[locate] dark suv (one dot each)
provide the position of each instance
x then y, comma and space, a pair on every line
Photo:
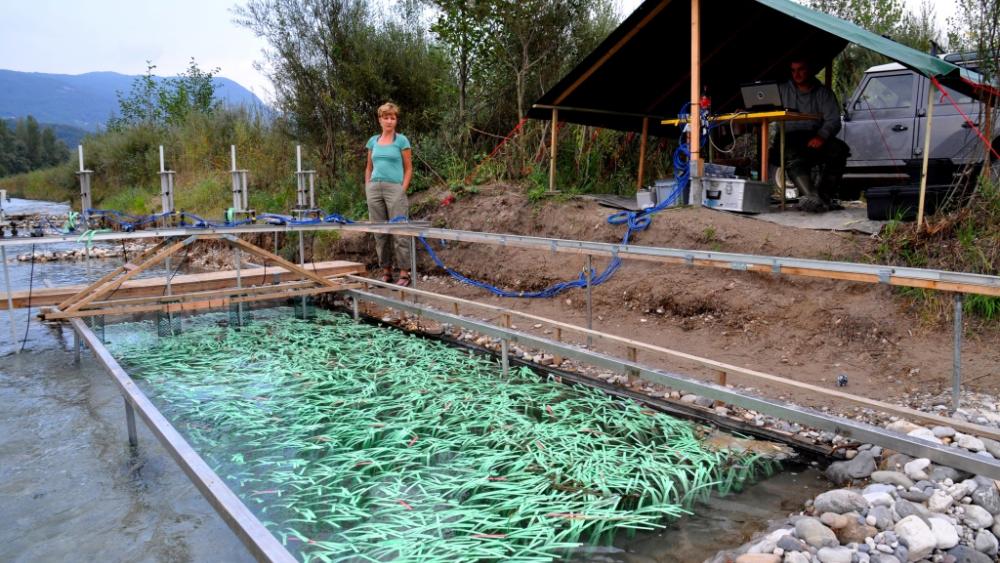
883, 123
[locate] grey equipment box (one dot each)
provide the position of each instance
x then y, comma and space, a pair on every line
735, 194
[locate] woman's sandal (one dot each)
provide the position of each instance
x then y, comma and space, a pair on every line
386, 277
404, 280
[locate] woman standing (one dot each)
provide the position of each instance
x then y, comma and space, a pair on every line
387, 177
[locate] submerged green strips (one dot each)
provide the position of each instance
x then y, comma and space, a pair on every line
365, 444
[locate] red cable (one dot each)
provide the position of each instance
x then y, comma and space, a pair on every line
496, 149
965, 117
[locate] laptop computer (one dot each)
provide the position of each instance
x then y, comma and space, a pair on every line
761, 96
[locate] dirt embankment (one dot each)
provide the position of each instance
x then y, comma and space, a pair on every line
807, 329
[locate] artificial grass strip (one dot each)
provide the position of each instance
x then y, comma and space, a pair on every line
359, 443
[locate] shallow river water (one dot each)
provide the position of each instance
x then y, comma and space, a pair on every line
71, 489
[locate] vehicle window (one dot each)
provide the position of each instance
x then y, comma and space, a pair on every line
884, 92
941, 100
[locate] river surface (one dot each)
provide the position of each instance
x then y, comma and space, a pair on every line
71, 489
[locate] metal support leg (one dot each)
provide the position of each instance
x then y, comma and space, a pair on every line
590, 304
239, 285
302, 262
76, 348
413, 262
354, 307
10, 299
133, 439
505, 356
956, 378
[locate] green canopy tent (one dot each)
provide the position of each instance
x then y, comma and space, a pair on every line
650, 67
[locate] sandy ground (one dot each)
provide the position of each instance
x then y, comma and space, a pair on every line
809, 330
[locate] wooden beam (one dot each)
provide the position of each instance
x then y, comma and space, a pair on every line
694, 135
611, 52
82, 298
197, 305
717, 366
553, 151
112, 274
48, 296
642, 154
260, 252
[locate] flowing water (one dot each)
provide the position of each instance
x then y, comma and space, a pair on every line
71, 489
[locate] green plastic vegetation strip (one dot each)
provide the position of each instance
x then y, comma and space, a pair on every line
358, 443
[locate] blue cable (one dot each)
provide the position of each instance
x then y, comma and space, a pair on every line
635, 221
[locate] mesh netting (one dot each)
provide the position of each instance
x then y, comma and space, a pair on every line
359, 443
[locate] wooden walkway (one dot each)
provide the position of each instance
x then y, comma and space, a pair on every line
186, 283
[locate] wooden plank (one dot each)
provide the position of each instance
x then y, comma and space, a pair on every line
217, 303
182, 283
720, 366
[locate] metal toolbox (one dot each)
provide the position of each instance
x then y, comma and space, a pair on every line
735, 194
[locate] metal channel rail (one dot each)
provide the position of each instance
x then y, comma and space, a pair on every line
258, 540
916, 447
870, 273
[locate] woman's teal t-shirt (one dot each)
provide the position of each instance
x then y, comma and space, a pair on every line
387, 160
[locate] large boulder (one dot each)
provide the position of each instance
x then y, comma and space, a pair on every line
840, 501
918, 536
861, 467
814, 533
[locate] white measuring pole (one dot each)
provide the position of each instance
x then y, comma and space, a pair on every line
84, 176
232, 153
80, 150
162, 169
298, 158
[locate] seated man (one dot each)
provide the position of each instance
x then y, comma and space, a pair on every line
812, 143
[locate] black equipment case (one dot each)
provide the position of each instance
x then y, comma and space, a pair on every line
901, 202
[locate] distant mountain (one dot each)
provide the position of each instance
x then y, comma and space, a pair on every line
84, 100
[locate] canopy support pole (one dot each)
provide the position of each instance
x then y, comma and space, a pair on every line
694, 135
552, 157
928, 122
987, 126
642, 154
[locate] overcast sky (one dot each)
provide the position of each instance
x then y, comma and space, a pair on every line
72, 37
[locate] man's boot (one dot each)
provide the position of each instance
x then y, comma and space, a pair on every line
828, 188
808, 197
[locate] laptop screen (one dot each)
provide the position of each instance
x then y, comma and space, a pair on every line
761, 95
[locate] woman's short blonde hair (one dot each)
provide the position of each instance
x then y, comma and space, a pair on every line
387, 109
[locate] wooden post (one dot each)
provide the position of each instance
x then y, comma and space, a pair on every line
558, 359
927, 149
642, 154
987, 122
633, 354
552, 156
695, 133
721, 380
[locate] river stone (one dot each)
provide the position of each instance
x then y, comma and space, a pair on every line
915, 469
940, 502
878, 488
987, 496
789, 543
915, 496
991, 446
895, 462
884, 558
905, 509
966, 554
943, 431
796, 557
977, 517
814, 533
861, 467
987, 543
758, 558
919, 539
883, 517
835, 555
879, 499
840, 501
944, 532
924, 434
940, 473
834, 520
854, 532
970, 443
892, 478
902, 426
